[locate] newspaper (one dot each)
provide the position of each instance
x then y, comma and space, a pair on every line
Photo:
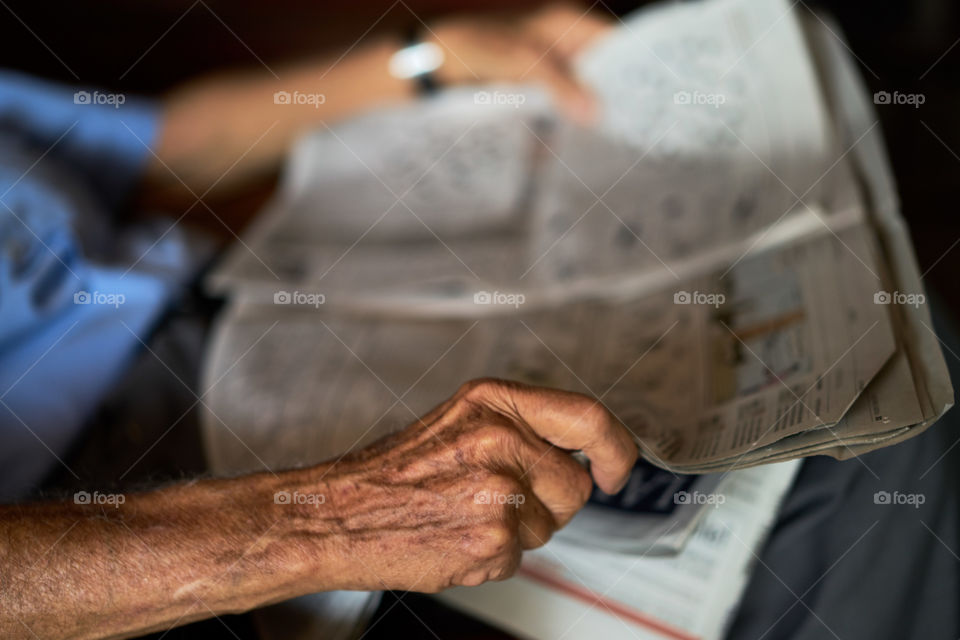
401, 208
421, 206
721, 261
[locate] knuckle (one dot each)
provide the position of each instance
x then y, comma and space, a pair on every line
474, 545
493, 540
480, 389
500, 487
598, 415
467, 387
595, 419
499, 536
493, 437
503, 485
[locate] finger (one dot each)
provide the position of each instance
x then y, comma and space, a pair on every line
573, 98
536, 523
550, 473
568, 420
559, 481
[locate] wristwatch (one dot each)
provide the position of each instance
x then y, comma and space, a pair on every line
417, 61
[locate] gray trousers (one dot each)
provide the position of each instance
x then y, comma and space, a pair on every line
839, 565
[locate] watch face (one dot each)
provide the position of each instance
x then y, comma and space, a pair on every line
416, 60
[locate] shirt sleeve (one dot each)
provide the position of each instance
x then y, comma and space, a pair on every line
104, 137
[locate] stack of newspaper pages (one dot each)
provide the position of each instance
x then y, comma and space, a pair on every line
720, 259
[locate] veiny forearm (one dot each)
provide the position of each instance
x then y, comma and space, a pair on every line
162, 558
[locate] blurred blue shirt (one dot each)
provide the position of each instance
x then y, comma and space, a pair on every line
72, 312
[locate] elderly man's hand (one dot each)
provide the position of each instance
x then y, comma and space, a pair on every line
455, 497
452, 499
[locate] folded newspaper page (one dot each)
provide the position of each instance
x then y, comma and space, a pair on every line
721, 261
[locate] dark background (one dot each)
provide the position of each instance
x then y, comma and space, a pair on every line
149, 46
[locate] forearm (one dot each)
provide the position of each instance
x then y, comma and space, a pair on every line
221, 132
164, 558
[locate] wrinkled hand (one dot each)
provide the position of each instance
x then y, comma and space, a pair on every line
455, 497
531, 47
